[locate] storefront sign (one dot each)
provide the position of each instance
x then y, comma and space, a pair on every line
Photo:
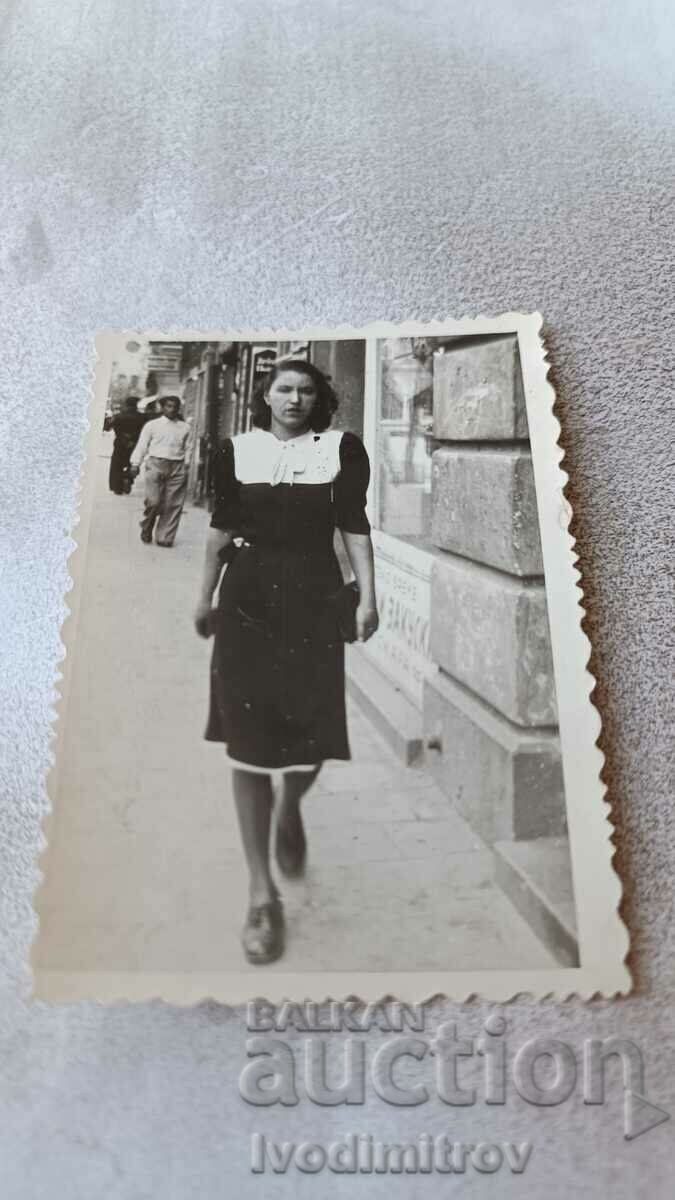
263, 361
401, 646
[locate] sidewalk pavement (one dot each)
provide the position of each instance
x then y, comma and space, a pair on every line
144, 833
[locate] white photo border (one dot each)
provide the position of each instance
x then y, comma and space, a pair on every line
603, 936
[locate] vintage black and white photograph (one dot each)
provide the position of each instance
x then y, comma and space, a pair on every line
310, 705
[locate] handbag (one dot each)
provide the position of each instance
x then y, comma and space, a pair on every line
344, 604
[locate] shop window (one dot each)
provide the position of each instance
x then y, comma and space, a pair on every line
405, 440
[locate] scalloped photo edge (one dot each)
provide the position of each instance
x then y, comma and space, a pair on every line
603, 940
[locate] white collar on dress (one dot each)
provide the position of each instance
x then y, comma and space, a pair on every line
260, 457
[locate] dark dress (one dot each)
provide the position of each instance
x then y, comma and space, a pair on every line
277, 674
127, 427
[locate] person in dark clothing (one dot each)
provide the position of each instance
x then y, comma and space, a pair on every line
127, 427
277, 674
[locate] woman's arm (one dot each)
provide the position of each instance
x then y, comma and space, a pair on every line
216, 542
360, 554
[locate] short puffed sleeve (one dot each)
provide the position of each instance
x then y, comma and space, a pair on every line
226, 514
351, 485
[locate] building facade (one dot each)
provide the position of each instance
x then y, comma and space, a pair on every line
128, 375
460, 675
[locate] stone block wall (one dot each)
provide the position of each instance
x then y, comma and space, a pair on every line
490, 632
484, 506
478, 391
506, 780
490, 717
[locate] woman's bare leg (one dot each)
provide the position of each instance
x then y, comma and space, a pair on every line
291, 844
253, 799
295, 784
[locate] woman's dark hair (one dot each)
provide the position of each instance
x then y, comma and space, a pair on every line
325, 404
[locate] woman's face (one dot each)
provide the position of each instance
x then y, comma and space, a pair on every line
291, 398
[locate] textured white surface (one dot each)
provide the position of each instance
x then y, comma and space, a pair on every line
223, 164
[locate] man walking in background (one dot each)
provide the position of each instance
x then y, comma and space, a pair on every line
164, 442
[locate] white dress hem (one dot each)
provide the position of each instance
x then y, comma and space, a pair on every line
242, 766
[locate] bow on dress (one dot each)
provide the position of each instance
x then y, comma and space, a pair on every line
291, 461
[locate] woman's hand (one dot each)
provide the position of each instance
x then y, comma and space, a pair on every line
360, 554
203, 620
367, 622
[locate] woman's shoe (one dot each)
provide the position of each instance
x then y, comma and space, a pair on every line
263, 934
291, 849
